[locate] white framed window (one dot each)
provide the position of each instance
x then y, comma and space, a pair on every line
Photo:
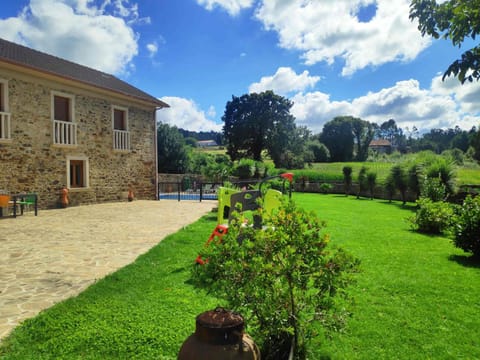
63, 118
77, 172
121, 134
5, 122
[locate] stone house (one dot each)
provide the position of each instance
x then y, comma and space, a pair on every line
64, 125
382, 146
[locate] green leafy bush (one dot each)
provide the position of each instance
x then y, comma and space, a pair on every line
325, 188
245, 168
467, 226
433, 217
433, 189
444, 169
320, 151
284, 279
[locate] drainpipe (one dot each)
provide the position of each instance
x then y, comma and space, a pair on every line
155, 146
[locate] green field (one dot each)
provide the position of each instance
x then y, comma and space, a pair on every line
416, 296
466, 175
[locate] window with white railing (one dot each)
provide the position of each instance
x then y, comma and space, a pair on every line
64, 126
121, 135
5, 124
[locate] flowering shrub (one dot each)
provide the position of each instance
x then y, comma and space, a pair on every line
284, 279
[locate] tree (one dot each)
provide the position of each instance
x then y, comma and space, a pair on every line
400, 181
347, 178
475, 143
362, 181
257, 122
455, 20
172, 153
414, 174
338, 138
391, 132
320, 151
372, 182
363, 133
286, 146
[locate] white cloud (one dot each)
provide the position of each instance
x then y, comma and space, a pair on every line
233, 7
466, 95
184, 113
285, 81
152, 49
330, 30
442, 106
79, 31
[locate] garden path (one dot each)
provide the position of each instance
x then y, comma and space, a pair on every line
47, 258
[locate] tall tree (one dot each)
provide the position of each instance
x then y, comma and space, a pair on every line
475, 143
455, 20
257, 122
172, 153
363, 133
338, 138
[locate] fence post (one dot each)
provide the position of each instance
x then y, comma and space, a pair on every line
178, 189
201, 191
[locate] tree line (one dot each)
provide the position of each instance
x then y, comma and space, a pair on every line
259, 126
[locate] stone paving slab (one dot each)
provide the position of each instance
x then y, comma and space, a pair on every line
48, 258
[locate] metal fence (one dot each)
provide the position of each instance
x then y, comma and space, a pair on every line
191, 190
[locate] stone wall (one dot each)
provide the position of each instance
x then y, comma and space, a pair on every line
30, 162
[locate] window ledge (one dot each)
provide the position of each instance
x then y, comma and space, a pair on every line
65, 146
78, 189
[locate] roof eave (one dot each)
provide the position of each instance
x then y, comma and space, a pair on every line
155, 102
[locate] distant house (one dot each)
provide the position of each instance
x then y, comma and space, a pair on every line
64, 125
381, 146
206, 143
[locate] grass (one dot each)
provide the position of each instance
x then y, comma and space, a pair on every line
334, 171
466, 175
416, 296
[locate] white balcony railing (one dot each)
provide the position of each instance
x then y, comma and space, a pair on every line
64, 133
5, 129
121, 140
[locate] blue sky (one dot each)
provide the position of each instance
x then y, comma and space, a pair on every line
363, 58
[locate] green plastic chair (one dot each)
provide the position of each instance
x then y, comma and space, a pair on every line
224, 205
27, 201
271, 201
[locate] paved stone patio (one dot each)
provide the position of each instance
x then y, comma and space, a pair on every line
47, 258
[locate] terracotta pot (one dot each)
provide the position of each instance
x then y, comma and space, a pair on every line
219, 336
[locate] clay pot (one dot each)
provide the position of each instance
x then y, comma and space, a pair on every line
219, 336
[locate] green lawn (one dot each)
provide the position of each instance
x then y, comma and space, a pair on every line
416, 296
334, 171
469, 174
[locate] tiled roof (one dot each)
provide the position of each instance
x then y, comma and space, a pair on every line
33, 59
380, 142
